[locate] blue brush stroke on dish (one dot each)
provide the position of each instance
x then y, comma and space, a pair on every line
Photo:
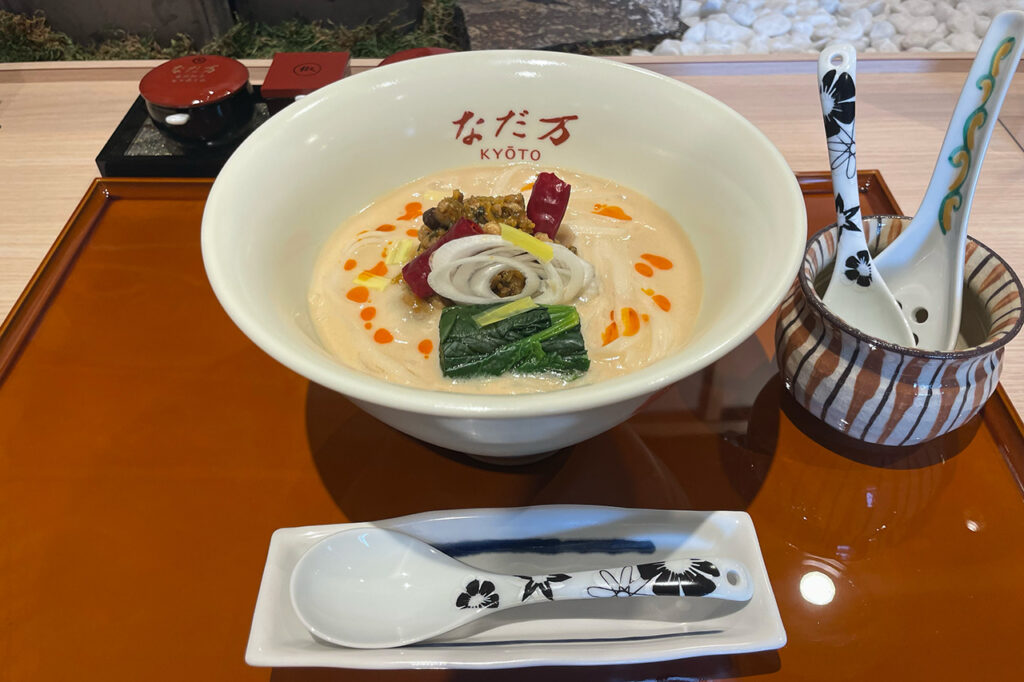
547, 546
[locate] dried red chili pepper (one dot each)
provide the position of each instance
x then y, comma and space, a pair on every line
548, 201
416, 271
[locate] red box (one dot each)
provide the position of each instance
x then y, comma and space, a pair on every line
296, 74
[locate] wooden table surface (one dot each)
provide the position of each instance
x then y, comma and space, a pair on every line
55, 117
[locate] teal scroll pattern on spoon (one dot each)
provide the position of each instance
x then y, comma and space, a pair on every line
961, 157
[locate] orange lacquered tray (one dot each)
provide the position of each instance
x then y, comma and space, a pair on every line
148, 450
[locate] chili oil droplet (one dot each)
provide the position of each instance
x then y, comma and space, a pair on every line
659, 262
359, 294
413, 210
610, 211
610, 333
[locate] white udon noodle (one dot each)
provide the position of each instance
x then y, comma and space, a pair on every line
610, 246
462, 270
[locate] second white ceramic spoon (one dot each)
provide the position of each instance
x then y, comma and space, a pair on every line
855, 292
924, 266
377, 588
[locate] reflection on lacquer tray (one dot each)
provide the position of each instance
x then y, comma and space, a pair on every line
397, 474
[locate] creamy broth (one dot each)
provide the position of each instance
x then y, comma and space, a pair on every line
641, 307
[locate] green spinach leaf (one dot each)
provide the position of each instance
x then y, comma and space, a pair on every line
536, 341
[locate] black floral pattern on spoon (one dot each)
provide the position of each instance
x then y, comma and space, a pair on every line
691, 581
478, 595
837, 101
858, 268
534, 584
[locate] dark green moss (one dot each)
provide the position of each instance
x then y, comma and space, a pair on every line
30, 38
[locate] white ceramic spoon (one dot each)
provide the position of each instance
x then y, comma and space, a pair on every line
855, 293
376, 588
924, 266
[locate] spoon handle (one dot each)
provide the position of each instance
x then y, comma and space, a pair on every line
970, 128
718, 578
837, 72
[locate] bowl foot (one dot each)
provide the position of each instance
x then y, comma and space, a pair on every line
515, 460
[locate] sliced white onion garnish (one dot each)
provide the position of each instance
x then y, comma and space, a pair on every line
462, 270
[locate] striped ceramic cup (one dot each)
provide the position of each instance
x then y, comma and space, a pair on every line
879, 392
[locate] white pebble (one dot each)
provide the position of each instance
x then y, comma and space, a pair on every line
696, 33
901, 21
849, 32
668, 47
848, 7
789, 44
881, 30
943, 11
803, 28
710, 7
691, 49
722, 29
717, 48
821, 18
741, 12
758, 45
772, 24
989, 8
917, 8
877, 7
863, 16
824, 32
924, 25
689, 8
921, 40
964, 42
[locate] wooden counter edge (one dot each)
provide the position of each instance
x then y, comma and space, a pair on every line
134, 70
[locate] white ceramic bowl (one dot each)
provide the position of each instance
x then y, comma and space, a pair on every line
294, 180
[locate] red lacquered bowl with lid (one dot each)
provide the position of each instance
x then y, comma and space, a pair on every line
201, 99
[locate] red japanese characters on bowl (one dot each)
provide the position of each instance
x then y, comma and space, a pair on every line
876, 391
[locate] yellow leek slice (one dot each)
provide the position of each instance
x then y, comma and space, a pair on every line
503, 312
528, 243
403, 252
372, 281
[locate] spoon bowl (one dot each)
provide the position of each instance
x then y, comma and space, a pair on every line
376, 588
